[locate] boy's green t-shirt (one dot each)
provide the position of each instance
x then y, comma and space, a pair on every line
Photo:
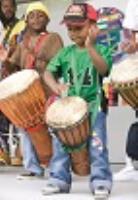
72, 60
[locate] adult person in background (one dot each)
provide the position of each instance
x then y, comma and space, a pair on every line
34, 51
9, 26
12, 25
131, 23
129, 172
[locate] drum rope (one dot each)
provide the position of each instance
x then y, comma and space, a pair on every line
76, 148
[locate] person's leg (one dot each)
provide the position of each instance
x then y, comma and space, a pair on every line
128, 172
30, 160
101, 175
4, 156
60, 175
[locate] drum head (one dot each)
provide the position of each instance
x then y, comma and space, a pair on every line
125, 71
17, 82
66, 112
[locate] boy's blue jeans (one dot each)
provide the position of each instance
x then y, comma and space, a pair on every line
100, 174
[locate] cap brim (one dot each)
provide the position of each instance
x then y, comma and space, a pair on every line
73, 22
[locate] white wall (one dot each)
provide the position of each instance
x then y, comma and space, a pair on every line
119, 121
120, 4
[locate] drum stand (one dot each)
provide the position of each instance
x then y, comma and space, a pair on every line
128, 172
14, 146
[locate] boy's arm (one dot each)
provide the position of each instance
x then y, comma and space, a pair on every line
54, 67
98, 61
50, 81
56, 87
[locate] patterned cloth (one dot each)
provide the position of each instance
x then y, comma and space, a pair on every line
110, 23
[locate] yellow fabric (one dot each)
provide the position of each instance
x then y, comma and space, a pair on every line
37, 6
19, 26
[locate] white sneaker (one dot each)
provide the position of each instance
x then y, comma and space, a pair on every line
50, 189
101, 193
126, 174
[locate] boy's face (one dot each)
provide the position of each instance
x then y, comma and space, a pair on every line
79, 33
37, 20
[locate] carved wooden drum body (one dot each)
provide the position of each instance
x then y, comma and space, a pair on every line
23, 101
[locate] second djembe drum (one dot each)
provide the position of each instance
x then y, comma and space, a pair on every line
124, 77
68, 117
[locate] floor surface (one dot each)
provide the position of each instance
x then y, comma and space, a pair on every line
13, 189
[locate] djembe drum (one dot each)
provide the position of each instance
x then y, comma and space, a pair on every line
124, 78
68, 117
23, 101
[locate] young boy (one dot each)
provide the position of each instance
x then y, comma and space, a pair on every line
89, 61
36, 48
131, 23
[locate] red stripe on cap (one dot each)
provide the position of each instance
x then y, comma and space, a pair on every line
91, 12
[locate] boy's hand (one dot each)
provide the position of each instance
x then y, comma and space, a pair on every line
60, 89
92, 36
